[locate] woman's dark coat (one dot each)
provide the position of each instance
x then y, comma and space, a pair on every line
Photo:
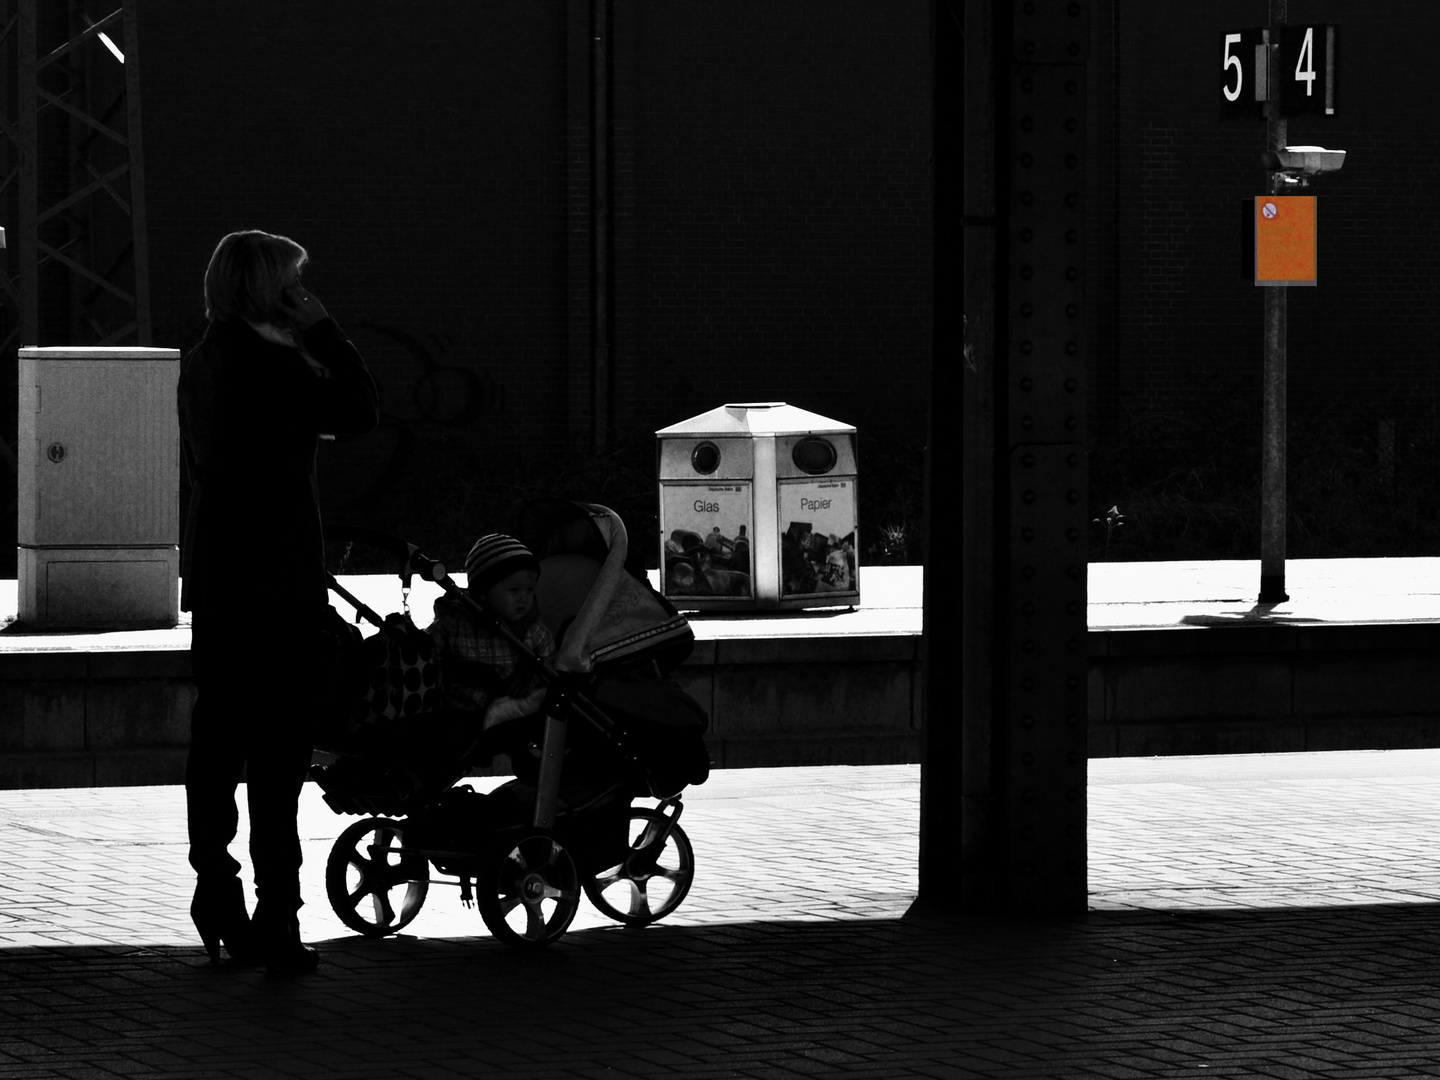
251, 413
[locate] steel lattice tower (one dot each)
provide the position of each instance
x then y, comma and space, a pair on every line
72, 175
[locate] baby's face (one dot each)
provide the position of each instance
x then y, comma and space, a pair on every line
511, 598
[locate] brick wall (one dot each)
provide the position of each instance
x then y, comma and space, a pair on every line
770, 214
419, 157
782, 237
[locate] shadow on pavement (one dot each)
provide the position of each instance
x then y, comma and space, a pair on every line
1300, 992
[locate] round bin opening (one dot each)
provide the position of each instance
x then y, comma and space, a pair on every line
705, 458
814, 455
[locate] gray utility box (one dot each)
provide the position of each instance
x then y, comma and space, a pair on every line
99, 486
758, 509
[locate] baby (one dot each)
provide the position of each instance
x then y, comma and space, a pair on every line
483, 672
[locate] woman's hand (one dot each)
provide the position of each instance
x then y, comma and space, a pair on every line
301, 307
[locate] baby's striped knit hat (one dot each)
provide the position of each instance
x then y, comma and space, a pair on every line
495, 556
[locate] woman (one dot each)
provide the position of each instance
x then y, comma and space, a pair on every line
272, 373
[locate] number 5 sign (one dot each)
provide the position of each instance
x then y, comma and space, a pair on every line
1303, 76
1242, 74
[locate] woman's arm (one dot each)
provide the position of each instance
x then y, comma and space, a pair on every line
348, 402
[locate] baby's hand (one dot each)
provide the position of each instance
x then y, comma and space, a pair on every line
508, 708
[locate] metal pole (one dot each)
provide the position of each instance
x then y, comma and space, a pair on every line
600, 222
139, 225
1272, 454
28, 210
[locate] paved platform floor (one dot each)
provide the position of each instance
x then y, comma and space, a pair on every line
1195, 595
1264, 916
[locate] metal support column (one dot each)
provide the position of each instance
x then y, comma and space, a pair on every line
600, 195
942, 815
590, 226
1023, 655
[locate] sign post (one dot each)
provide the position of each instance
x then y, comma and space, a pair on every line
1273, 429
1278, 72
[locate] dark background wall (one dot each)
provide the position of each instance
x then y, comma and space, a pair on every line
782, 157
421, 161
768, 188
769, 231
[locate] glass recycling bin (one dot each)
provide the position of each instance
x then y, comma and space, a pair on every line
758, 510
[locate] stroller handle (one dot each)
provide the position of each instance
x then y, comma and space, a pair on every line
413, 559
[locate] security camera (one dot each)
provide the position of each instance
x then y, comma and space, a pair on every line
1297, 164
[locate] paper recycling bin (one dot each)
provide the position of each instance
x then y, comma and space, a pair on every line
99, 486
758, 509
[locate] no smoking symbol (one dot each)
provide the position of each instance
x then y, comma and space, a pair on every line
1269, 209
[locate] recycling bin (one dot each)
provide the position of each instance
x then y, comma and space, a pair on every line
98, 460
758, 510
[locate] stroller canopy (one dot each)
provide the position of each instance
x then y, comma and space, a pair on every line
600, 609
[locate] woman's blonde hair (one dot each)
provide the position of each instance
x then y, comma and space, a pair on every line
247, 273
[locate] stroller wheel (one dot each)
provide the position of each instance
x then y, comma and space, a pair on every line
654, 877
529, 891
365, 877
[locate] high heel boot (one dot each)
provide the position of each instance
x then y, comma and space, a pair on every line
278, 941
218, 911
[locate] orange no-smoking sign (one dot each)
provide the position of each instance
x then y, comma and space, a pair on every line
1285, 240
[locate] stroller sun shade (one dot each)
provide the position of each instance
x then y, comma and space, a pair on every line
601, 610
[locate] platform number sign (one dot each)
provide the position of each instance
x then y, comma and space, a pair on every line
1297, 64
1242, 70
1307, 70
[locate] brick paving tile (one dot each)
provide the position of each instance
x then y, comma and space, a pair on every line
1278, 922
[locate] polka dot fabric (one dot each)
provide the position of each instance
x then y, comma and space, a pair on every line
404, 675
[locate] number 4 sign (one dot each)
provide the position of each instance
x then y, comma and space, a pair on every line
1307, 70
1304, 76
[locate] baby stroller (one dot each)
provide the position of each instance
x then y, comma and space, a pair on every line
613, 729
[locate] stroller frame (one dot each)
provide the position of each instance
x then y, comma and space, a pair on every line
527, 875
